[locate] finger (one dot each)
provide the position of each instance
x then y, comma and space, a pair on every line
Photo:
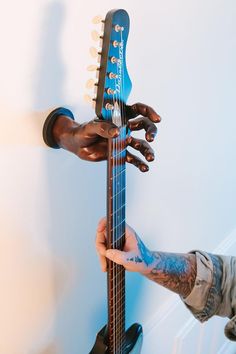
102, 128
103, 263
95, 152
143, 109
102, 224
101, 243
142, 146
136, 161
116, 256
146, 124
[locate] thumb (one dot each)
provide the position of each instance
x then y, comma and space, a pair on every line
103, 128
116, 256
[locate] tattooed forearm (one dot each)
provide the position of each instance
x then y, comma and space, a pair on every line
176, 272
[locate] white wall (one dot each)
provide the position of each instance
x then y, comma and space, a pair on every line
181, 58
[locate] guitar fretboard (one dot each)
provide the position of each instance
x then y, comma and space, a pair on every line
116, 238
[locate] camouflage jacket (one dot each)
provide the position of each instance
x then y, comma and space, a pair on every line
214, 292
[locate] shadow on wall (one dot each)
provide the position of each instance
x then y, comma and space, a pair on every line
76, 197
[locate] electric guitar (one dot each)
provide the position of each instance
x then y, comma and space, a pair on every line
113, 88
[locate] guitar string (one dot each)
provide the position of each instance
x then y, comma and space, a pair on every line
118, 199
116, 231
123, 202
115, 188
120, 160
114, 280
112, 339
121, 307
119, 277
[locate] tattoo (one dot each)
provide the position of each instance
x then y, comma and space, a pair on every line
146, 256
135, 259
176, 272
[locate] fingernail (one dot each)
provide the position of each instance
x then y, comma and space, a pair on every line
150, 137
153, 136
150, 157
157, 119
144, 168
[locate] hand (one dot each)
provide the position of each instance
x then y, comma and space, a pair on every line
89, 140
135, 256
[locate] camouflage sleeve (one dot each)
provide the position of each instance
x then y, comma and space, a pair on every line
214, 292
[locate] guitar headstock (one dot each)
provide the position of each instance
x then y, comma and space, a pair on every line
113, 84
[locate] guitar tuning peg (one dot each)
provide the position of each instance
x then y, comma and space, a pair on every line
92, 68
95, 36
89, 99
97, 19
90, 83
93, 52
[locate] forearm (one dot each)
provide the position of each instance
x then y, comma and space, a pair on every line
176, 272
62, 132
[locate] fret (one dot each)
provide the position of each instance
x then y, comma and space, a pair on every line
117, 226
119, 153
118, 238
120, 301
119, 213
119, 321
118, 287
117, 196
116, 245
119, 275
112, 336
119, 192
118, 291
116, 277
118, 174
119, 272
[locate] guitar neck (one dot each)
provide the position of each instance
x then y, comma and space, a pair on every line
116, 183
112, 91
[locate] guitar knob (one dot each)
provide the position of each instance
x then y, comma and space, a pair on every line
89, 99
93, 52
90, 83
97, 19
93, 68
96, 36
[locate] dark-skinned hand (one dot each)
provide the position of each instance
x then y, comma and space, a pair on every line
89, 140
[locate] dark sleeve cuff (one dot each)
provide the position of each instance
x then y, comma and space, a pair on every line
49, 122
